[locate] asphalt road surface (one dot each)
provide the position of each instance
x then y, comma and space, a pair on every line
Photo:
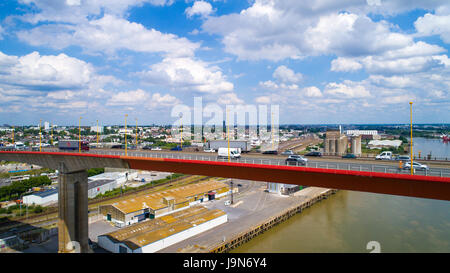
440, 170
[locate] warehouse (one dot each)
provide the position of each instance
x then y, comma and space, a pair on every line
119, 177
100, 186
158, 204
154, 235
41, 198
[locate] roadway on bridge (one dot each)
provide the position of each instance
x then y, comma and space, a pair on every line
436, 169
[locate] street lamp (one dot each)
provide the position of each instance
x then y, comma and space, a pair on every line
40, 136
231, 186
79, 135
51, 139
126, 115
411, 144
136, 133
228, 135
181, 120
97, 134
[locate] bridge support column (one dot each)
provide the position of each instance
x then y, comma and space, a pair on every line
73, 211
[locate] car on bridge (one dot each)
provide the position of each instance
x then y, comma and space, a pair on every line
386, 155
296, 160
270, 152
417, 166
178, 148
403, 158
209, 151
314, 154
288, 152
156, 149
349, 156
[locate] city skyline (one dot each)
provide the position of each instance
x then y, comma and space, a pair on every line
322, 62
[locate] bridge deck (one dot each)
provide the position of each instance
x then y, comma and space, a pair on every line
375, 182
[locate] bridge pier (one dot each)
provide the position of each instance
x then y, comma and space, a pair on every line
73, 211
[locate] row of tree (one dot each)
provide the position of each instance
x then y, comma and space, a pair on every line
17, 188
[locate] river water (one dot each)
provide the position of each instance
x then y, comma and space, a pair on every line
435, 147
348, 220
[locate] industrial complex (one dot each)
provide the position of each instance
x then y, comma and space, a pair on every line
158, 204
154, 235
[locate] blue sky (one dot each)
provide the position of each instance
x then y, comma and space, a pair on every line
322, 61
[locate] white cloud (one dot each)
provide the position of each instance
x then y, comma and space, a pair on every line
76, 11
134, 97
432, 24
142, 98
229, 98
345, 65
347, 89
284, 74
164, 100
187, 74
405, 99
401, 65
263, 99
201, 8
312, 91
393, 81
277, 30
270, 85
109, 34
45, 73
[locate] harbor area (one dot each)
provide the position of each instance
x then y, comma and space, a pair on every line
253, 211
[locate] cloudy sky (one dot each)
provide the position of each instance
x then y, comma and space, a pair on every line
322, 61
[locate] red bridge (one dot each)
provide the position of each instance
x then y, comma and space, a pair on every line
73, 181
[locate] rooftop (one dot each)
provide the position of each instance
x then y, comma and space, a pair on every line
180, 194
45, 193
150, 231
100, 182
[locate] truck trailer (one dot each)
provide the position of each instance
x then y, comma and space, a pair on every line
73, 145
244, 146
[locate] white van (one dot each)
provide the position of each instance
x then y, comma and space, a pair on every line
19, 146
234, 153
387, 155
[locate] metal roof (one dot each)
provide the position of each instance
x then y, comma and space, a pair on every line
45, 193
147, 232
180, 194
98, 183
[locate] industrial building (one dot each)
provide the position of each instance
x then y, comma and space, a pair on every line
377, 144
355, 144
100, 186
153, 235
119, 177
365, 134
335, 143
158, 204
282, 189
41, 198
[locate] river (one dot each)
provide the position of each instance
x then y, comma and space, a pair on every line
435, 147
347, 221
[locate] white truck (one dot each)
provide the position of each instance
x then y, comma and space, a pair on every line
386, 155
233, 153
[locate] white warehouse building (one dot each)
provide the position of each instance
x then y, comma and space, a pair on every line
41, 198
96, 187
153, 235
